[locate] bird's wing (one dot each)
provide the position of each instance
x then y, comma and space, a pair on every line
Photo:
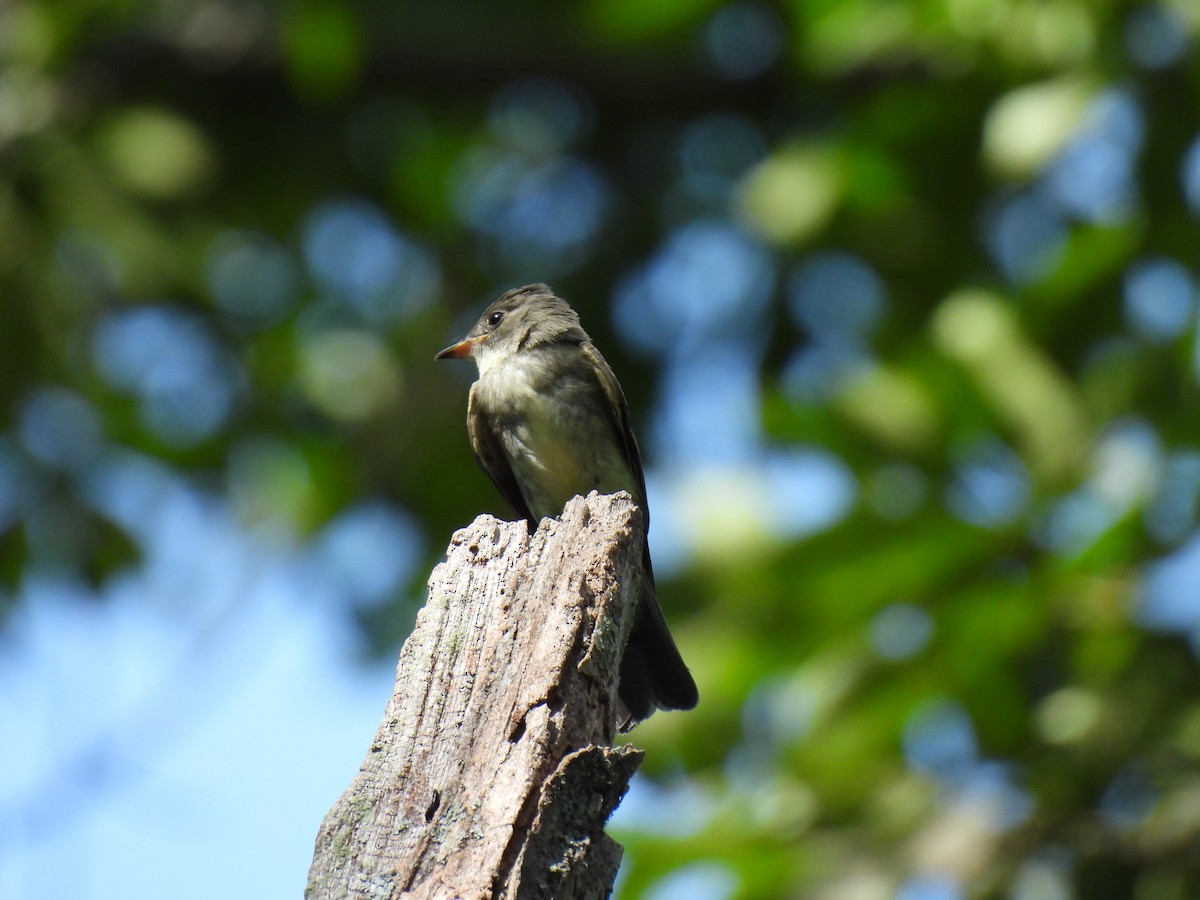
490, 456
653, 674
622, 427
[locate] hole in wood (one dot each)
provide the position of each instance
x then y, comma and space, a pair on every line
518, 731
432, 808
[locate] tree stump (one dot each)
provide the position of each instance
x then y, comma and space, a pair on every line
493, 771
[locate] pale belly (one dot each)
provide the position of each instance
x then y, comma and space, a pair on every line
560, 444
557, 457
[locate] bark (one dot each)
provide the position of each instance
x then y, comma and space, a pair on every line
492, 773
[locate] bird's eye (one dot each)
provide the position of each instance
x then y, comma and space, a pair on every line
494, 318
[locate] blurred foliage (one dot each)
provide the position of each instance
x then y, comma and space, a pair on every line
233, 234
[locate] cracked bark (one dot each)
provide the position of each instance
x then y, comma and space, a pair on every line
493, 771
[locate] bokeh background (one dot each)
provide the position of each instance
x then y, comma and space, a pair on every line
904, 297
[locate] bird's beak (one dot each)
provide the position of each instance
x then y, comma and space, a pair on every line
461, 350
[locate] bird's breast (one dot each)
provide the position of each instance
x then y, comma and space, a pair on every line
556, 433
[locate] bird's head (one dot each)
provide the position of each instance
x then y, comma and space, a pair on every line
523, 318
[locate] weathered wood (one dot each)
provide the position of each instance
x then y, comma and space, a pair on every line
492, 773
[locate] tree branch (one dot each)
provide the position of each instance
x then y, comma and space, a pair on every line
492, 773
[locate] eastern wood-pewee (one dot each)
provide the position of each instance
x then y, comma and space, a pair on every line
548, 420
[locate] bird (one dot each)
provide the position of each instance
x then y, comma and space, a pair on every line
547, 421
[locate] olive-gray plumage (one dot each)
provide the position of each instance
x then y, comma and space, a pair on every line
547, 421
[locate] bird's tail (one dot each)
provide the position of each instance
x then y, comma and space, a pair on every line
653, 673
